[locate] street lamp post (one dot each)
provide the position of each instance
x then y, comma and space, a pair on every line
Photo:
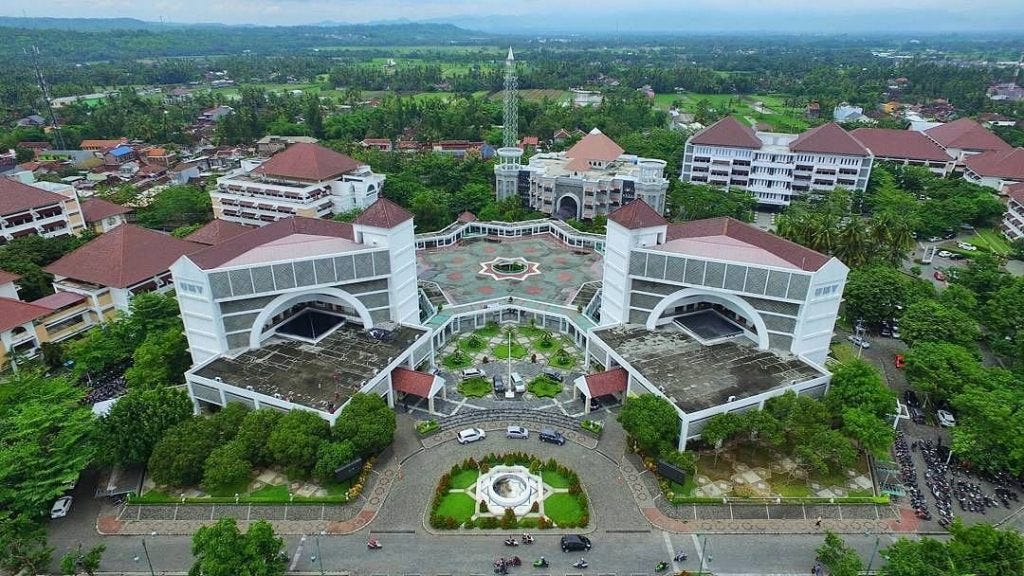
873, 552
148, 561
703, 556
319, 557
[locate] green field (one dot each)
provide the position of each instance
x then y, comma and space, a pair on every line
992, 240
458, 506
781, 119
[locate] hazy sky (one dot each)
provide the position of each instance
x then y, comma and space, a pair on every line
625, 14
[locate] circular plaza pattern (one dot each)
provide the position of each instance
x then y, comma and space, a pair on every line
511, 487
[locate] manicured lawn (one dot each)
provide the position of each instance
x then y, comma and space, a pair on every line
503, 351
531, 331
458, 506
843, 352
791, 490
544, 387
457, 361
554, 479
279, 493
232, 490
991, 240
684, 490
472, 343
488, 331
465, 479
475, 387
564, 363
563, 509
543, 346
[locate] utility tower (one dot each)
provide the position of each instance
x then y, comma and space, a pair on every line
510, 155
44, 88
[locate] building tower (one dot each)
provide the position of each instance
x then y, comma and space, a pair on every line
510, 155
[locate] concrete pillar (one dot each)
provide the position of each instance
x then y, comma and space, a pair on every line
586, 405
684, 430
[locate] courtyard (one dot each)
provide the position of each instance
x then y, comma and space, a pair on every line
553, 272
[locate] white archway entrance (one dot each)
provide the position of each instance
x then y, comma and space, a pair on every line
693, 296
567, 207
285, 301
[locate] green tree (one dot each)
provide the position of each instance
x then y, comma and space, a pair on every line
990, 421
874, 293
838, 557
348, 216
23, 543
254, 436
941, 369
176, 206
295, 441
367, 422
160, 360
186, 230
473, 197
857, 383
651, 421
45, 440
76, 562
128, 433
979, 549
871, 433
178, 457
696, 201
222, 550
330, 457
226, 470
930, 321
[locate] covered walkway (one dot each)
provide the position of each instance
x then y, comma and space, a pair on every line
612, 381
419, 384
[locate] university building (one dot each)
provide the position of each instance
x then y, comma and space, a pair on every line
775, 168
41, 208
304, 179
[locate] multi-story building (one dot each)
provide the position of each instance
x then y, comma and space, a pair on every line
593, 178
1013, 220
41, 208
965, 137
339, 298
302, 180
776, 167
996, 168
119, 264
907, 147
102, 215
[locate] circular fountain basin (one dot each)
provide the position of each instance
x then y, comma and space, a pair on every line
504, 487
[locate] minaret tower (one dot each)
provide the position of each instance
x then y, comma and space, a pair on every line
510, 155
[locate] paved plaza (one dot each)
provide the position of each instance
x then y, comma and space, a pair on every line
460, 273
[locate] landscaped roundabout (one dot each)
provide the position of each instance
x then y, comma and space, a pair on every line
513, 490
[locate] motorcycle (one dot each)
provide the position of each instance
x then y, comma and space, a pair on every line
581, 563
681, 557
527, 538
540, 563
661, 566
511, 542
374, 544
515, 561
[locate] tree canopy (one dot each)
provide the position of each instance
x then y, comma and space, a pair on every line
367, 422
651, 422
222, 550
139, 419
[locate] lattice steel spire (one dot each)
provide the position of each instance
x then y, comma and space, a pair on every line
510, 135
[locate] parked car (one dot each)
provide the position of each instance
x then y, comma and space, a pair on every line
885, 330
957, 256
949, 234
517, 432
944, 254
551, 436
916, 414
61, 507
910, 397
939, 276
935, 239
554, 375
896, 331
518, 384
966, 246
471, 435
499, 384
575, 543
859, 341
946, 419
472, 373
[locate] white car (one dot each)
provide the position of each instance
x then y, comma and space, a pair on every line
966, 246
859, 341
61, 507
517, 432
518, 384
472, 373
471, 435
946, 419
944, 254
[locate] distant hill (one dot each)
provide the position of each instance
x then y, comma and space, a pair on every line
79, 24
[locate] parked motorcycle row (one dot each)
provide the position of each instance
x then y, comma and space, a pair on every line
947, 482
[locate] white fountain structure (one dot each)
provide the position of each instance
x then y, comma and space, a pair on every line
512, 487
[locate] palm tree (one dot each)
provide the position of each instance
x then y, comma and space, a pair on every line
853, 245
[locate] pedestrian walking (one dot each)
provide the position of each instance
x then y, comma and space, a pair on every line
818, 522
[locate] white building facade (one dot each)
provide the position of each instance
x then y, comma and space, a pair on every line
776, 168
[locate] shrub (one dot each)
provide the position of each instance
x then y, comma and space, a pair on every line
226, 470
487, 522
331, 456
469, 523
508, 519
483, 507
426, 427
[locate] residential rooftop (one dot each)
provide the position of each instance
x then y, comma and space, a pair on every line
319, 376
694, 376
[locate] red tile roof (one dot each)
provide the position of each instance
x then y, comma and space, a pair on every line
383, 214
467, 216
828, 139
637, 214
14, 313
412, 381
304, 161
595, 146
727, 132
607, 382
123, 257
966, 134
1015, 191
6, 277
216, 232
804, 258
96, 209
909, 144
1007, 164
58, 300
101, 144
213, 256
17, 197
